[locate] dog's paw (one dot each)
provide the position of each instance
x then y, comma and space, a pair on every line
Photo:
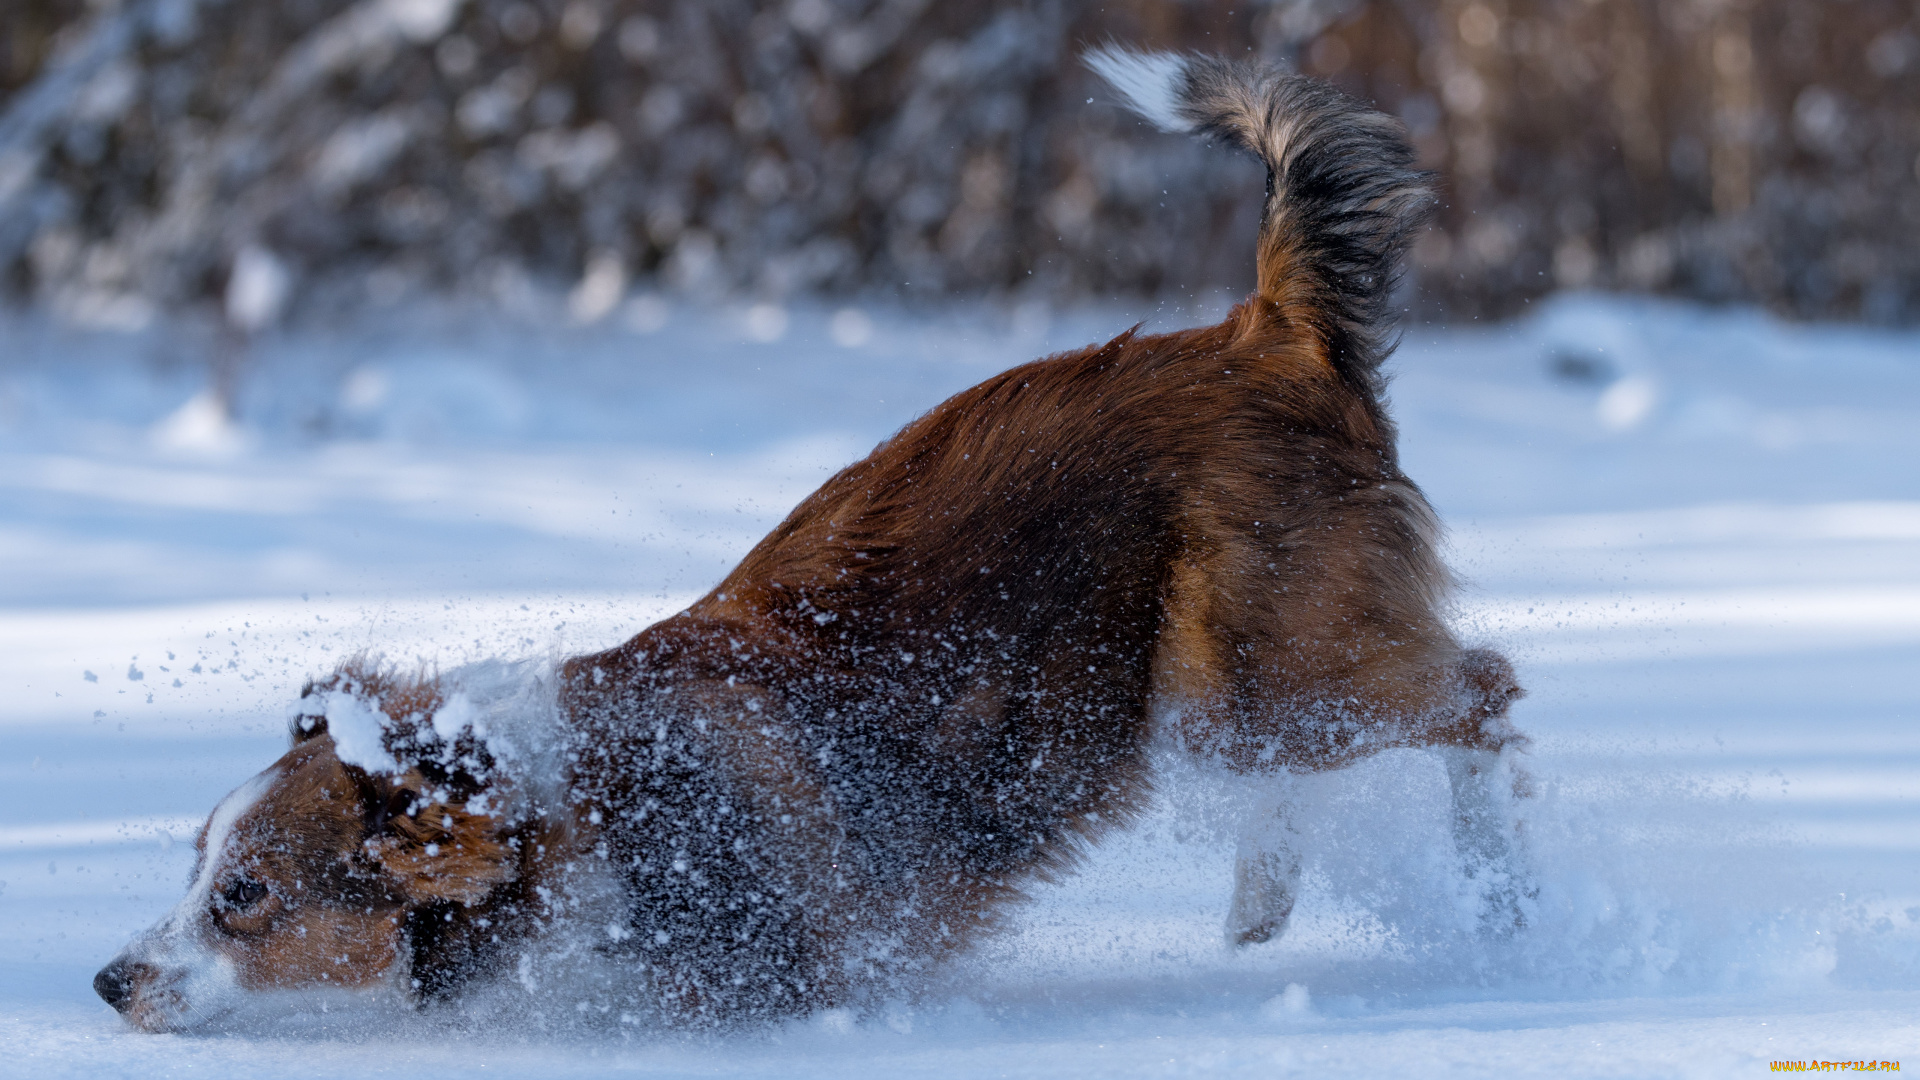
1258, 934
1263, 893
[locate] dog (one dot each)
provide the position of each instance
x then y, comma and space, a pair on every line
934, 683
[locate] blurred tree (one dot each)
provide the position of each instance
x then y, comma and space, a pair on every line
1755, 150
315, 155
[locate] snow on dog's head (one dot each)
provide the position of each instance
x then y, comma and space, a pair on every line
391, 808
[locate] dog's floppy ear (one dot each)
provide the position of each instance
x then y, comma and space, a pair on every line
433, 850
307, 721
423, 792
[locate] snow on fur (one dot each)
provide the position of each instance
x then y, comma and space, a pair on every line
506, 707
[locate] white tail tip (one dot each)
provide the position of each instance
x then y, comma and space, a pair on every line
1152, 83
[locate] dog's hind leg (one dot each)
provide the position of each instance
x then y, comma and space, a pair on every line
1486, 832
1266, 872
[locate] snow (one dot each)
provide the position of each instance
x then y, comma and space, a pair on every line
1713, 597
258, 286
356, 725
507, 707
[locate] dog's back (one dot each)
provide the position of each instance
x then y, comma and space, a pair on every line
936, 676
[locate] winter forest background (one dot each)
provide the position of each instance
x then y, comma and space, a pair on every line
302, 157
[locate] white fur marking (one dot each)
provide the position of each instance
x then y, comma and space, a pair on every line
199, 982
219, 831
1151, 82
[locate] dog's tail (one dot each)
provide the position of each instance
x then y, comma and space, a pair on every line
1343, 196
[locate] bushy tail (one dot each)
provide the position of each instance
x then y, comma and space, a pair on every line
1343, 196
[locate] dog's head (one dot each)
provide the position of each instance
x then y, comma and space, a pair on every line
309, 873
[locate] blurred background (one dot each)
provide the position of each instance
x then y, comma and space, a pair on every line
269, 161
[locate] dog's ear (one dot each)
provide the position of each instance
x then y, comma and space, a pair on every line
309, 720
357, 676
435, 851
423, 795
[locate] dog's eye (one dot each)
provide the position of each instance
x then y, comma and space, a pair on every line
243, 893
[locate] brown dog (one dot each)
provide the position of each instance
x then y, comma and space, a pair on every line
932, 683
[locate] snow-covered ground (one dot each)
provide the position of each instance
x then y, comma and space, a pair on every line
1697, 534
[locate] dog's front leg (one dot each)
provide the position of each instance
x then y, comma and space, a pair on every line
1485, 830
1266, 873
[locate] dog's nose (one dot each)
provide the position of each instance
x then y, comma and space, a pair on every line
114, 984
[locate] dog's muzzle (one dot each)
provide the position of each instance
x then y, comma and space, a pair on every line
116, 981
